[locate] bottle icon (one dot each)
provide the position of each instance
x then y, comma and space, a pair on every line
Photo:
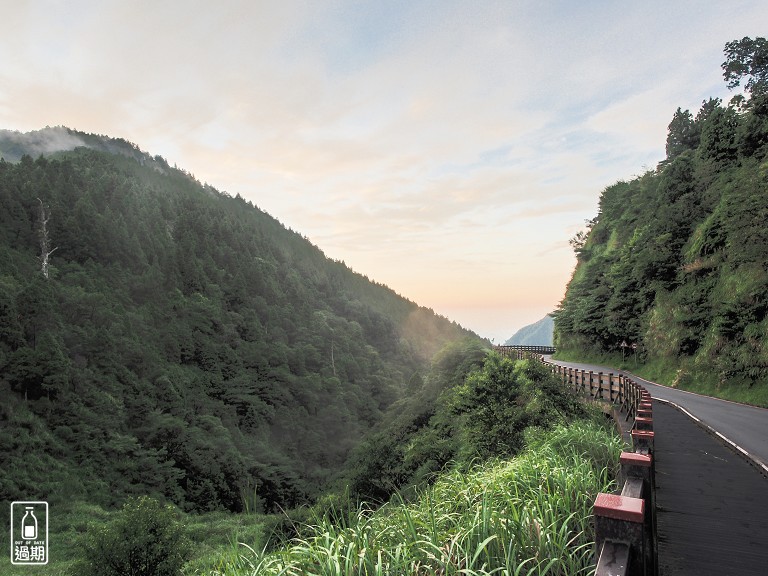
29, 524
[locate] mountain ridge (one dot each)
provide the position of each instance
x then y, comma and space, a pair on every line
186, 344
49, 140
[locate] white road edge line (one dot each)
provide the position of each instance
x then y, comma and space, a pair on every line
754, 459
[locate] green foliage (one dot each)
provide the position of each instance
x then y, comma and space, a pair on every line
501, 401
528, 515
719, 143
747, 58
681, 134
419, 434
144, 539
186, 344
677, 258
483, 408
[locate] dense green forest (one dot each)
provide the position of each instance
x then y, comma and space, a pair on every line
455, 475
159, 337
676, 261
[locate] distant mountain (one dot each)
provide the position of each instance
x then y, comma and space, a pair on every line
180, 342
536, 334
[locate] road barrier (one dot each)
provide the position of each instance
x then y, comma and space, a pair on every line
519, 352
625, 542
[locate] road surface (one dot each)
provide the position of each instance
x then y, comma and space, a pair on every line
740, 424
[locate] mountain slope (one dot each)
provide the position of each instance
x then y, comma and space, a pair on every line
537, 334
677, 259
185, 344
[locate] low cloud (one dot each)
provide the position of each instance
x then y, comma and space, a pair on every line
39, 142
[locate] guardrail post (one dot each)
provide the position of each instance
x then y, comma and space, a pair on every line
622, 390
643, 422
633, 393
642, 441
636, 465
637, 474
621, 520
603, 385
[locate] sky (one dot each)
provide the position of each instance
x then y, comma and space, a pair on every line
447, 149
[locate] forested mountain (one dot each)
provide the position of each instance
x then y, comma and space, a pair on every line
676, 261
537, 334
160, 337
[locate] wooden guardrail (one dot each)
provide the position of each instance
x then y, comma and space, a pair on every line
625, 543
521, 351
615, 388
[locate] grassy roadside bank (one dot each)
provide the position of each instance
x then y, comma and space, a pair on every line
527, 515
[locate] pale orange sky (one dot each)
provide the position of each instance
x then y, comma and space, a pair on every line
447, 149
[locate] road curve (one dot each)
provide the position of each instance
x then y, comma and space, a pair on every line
738, 424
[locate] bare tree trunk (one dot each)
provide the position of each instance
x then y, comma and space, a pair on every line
333, 364
45, 241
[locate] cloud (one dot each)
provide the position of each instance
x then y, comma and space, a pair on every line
44, 141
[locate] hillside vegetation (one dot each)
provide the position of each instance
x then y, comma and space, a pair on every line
676, 261
159, 337
492, 465
531, 514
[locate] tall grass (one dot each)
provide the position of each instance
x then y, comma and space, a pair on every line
529, 515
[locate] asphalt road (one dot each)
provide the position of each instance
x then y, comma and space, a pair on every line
740, 424
711, 505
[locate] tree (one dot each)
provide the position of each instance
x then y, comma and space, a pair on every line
498, 402
45, 241
682, 134
707, 107
718, 136
747, 58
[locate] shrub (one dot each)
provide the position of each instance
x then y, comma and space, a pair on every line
145, 538
499, 401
